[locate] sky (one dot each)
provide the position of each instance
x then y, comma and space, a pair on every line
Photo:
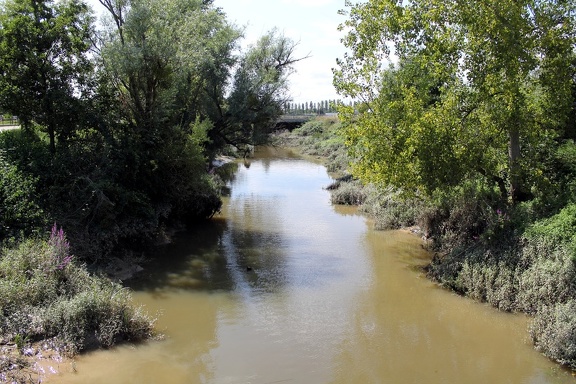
311, 23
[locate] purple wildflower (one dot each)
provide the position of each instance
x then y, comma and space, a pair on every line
60, 248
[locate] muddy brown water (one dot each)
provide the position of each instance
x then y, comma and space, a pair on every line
283, 287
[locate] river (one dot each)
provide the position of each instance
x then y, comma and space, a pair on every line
283, 287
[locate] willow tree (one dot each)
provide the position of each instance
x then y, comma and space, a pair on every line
260, 89
477, 87
165, 64
169, 59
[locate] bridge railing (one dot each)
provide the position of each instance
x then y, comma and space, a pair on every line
12, 120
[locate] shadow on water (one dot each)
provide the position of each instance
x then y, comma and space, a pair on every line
216, 257
245, 249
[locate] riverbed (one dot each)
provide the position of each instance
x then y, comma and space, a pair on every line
283, 287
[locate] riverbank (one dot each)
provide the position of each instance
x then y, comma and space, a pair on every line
507, 256
33, 364
53, 308
326, 299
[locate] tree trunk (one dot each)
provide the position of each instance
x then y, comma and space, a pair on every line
52, 135
513, 158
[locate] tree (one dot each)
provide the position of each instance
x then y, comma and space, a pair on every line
167, 63
170, 60
478, 87
44, 63
259, 89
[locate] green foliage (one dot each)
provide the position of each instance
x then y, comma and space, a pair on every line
116, 143
42, 298
259, 90
559, 230
478, 89
475, 118
311, 128
184, 182
561, 184
168, 60
45, 64
20, 214
390, 209
349, 193
493, 282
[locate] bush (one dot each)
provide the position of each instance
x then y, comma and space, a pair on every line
465, 215
560, 229
390, 209
44, 293
108, 193
487, 278
348, 193
553, 332
311, 128
20, 214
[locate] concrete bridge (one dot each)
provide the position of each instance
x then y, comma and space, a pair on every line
291, 122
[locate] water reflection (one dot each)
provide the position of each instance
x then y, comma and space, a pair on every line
193, 261
283, 287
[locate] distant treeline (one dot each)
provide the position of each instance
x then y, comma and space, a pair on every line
319, 108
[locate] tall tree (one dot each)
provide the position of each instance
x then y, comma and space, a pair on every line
168, 63
259, 89
478, 86
45, 70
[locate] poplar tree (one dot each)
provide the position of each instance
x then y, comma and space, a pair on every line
479, 87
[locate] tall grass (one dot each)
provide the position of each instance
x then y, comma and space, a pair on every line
318, 138
45, 293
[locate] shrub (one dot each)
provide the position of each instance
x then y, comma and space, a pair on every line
349, 193
557, 230
44, 293
488, 278
311, 128
20, 213
390, 209
553, 332
100, 315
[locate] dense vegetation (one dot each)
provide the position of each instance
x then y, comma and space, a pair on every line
472, 124
120, 124
45, 293
469, 134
